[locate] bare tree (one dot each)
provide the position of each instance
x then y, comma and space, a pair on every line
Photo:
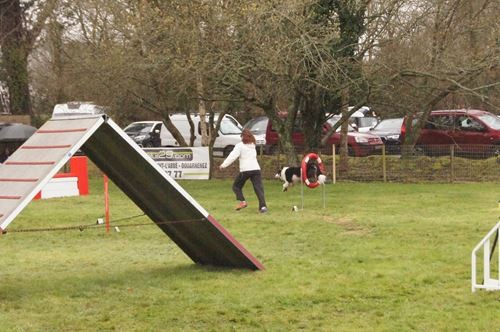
149, 59
435, 57
20, 25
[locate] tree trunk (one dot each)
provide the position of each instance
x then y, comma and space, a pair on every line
312, 123
202, 110
214, 129
56, 43
285, 130
174, 131
343, 162
15, 51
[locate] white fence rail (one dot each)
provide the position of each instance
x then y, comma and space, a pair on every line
488, 282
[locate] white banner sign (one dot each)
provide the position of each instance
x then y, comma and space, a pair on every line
182, 163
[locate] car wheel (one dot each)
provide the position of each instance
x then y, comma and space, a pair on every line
148, 145
350, 151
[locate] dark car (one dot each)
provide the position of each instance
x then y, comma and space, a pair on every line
359, 144
473, 133
145, 133
389, 131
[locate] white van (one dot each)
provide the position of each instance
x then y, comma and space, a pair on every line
155, 134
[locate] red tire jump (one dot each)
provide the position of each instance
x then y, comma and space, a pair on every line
304, 165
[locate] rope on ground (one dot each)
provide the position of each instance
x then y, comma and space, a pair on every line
128, 218
81, 228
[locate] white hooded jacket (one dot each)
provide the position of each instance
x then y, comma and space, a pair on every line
247, 155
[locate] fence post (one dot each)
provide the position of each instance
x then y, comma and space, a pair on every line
452, 166
384, 166
334, 169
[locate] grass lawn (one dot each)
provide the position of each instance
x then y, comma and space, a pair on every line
378, 257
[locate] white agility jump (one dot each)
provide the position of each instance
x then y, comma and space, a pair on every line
488, 283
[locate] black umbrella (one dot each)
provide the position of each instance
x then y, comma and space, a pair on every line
15, 132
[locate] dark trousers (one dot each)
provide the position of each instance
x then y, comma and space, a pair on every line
256, 179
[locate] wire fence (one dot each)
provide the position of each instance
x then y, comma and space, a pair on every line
436, 163
117, 223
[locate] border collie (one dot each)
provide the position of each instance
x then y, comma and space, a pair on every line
291, 175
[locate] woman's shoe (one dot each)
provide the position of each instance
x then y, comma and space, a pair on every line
242, 205
263, 209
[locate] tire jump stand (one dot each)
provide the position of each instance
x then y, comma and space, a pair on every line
308, 161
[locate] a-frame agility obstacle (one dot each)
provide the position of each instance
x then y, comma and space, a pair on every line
177, 214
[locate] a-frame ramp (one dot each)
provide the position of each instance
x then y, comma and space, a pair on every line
178, 215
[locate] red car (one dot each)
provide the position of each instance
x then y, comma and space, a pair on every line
472, 132
359, 144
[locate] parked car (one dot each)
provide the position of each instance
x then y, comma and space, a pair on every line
147, 134
389, 131
258, 128
359, 144
472, 132
156, 134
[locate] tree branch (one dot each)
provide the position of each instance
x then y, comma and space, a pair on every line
47, 10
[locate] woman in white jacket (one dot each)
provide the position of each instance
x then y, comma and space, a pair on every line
249, 169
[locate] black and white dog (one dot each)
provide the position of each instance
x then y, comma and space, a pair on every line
291, 175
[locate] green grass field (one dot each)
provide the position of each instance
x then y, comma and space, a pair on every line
378, 257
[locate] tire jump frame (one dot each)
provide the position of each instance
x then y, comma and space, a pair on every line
304, 166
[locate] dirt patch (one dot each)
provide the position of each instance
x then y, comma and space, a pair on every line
349, 225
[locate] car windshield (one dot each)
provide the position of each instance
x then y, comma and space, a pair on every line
228, 126
491, 120
136, 128
389, 124
332, 121
257, 126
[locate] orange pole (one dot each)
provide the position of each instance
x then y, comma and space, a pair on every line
106, 202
